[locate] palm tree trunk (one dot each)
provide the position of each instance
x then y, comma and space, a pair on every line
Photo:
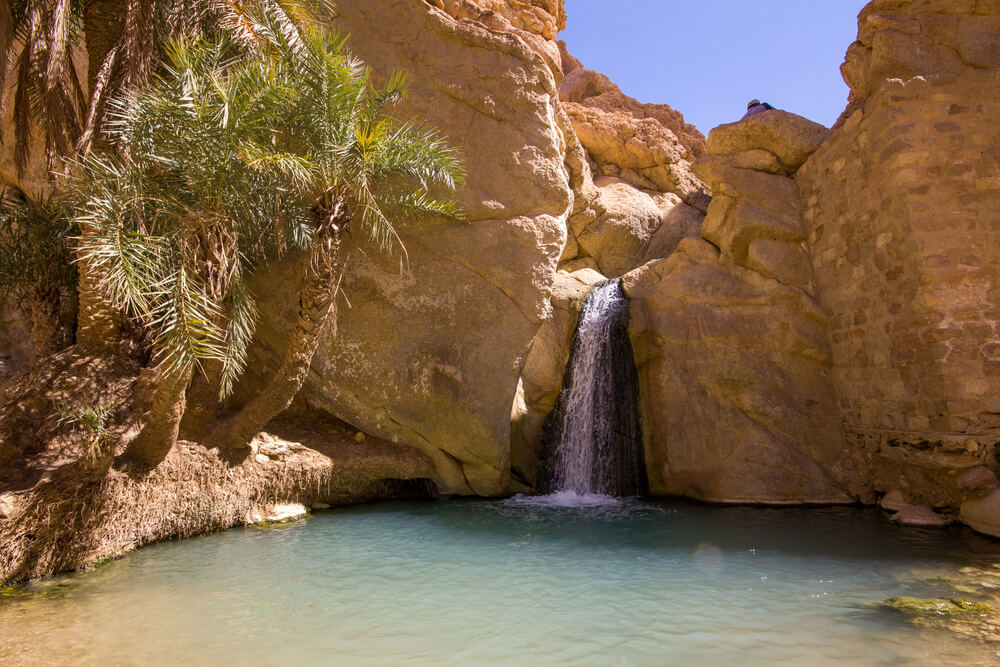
103, 22
98, 324
202, 403
162, 421
317, 291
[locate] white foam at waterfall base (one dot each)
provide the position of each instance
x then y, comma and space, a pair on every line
565, 499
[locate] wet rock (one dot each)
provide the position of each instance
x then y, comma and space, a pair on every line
983, 514
894, 501
979, 479
920, 515
277, 513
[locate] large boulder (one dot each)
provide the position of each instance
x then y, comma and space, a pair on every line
755, 216
636, 226
737, 404
983, 514
786, 137
429, 345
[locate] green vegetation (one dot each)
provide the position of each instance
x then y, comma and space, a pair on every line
937, 606
235, 154
93, 421
36, 269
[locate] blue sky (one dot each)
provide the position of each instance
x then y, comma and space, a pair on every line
707, 58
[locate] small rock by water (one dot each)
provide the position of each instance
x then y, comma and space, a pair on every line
920, 515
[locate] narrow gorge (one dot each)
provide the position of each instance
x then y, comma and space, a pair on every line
777, 314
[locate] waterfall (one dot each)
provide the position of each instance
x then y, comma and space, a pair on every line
593, 444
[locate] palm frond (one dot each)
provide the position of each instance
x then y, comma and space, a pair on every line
138, 45
186, 323
98, 100
6, 42
22, 111
242, 322
35, 244
58, 66
418, 205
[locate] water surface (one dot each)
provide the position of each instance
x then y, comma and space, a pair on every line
571, 581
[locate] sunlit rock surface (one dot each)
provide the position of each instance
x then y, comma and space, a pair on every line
900, 206
429, 349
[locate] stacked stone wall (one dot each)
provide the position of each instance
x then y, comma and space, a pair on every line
903, 210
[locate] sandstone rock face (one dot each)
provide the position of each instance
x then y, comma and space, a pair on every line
641, 152
735, 391
542, 379
595, 90
534, 22
430, 348
900, 206
904, 39
732, 350
635, 194
636, 227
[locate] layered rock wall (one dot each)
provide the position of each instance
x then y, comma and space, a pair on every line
904, 237
637, 196
731, 347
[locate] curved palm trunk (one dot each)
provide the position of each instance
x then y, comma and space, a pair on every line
317, 291
162, 422
202, 402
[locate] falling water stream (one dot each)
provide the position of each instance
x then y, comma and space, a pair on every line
594, 442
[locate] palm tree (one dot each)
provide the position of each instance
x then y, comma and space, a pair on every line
125, 41
36, 268
225, 162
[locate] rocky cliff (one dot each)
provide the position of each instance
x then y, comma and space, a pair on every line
814, 311
439, 347
430, 344
901, 209
731, 346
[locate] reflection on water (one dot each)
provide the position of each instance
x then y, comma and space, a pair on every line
527, 581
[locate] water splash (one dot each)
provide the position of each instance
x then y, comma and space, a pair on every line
594, 444
564, 499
